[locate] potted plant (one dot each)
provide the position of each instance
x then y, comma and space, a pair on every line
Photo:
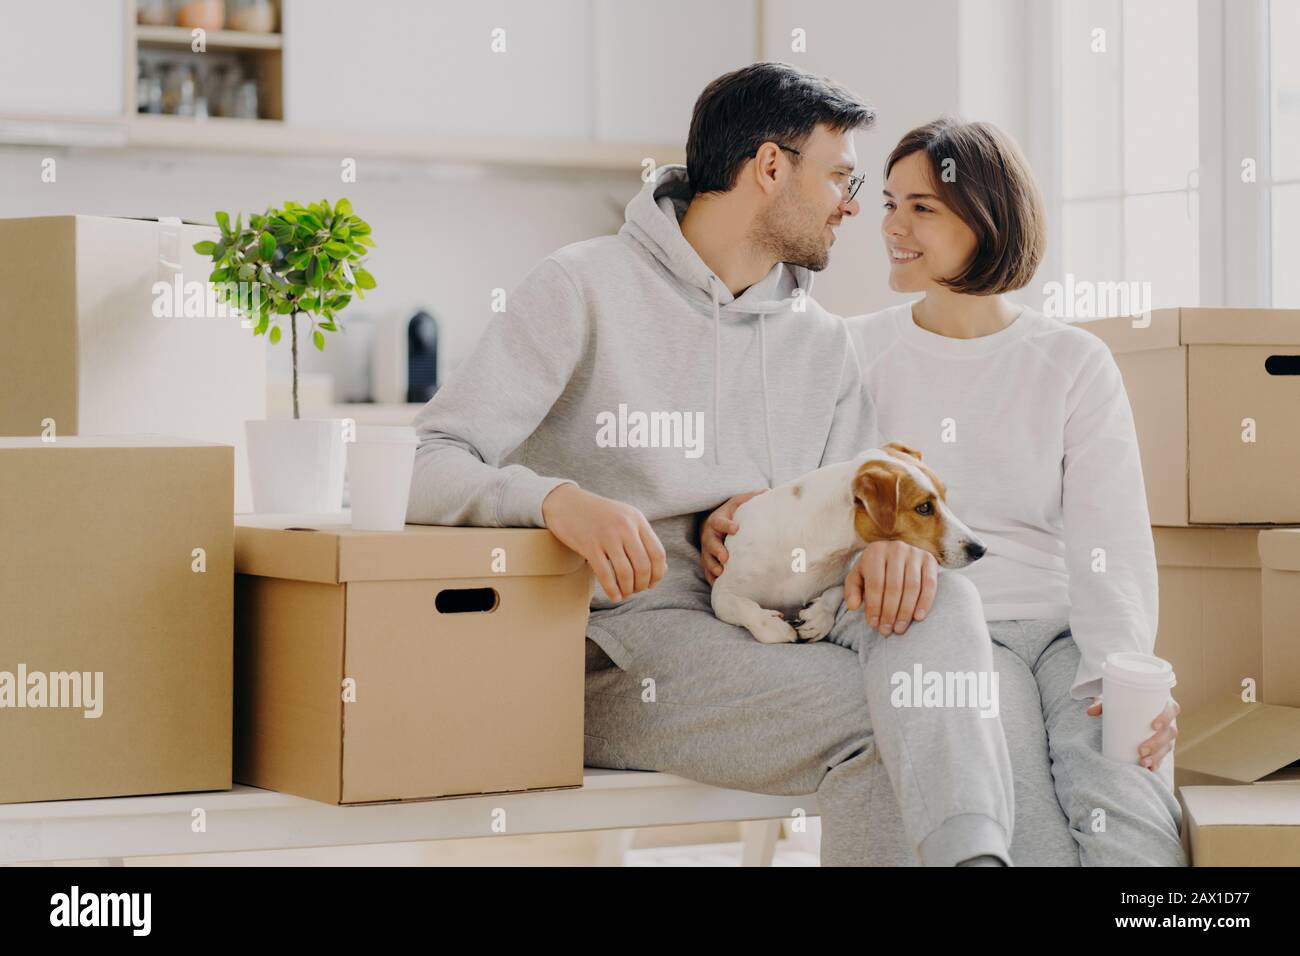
302, 262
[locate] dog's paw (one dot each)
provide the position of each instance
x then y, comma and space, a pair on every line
772, 628
814, 622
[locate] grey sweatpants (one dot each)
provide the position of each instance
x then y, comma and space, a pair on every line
672, 688
1073, 805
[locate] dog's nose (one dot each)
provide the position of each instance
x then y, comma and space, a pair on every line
975, 550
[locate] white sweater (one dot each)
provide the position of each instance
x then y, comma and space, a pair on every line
1031, 431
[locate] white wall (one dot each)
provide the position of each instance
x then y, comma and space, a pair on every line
901, 58
653, 59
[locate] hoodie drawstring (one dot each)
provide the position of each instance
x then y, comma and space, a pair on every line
767, 414
717, 365
717, 375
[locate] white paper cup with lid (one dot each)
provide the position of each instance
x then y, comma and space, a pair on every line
381, 462
1134, 691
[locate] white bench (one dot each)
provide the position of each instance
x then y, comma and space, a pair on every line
247, 818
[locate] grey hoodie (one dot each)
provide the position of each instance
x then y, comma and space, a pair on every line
624, 365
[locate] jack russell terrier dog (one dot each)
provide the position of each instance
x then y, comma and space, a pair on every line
884, 494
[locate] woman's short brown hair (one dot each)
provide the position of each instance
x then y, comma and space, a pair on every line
989, 186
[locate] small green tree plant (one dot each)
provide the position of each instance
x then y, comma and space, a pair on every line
296, 260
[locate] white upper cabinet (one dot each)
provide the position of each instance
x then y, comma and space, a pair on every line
515, 68
652, 60
62, 58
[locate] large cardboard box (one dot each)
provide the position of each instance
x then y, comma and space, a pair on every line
116, 559
1279, 552
1200, 380
1210, 611
83, 347
386, 666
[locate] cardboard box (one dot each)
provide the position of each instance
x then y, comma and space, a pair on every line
1236, 777
1243, 826
1279, 552
109, 608
82, 345
1210, 611
386, 666
1193, 376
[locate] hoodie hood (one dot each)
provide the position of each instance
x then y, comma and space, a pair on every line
653, 219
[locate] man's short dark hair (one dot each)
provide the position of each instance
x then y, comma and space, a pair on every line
740, 111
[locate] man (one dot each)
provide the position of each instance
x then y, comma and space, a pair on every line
638, 380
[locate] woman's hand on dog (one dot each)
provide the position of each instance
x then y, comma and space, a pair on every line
896, 580
615, 538
1152, 751
713, 554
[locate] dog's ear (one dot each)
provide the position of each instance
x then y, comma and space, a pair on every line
876, 487
900, 447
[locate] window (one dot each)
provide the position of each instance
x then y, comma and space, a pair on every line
1129, 130
1157, 108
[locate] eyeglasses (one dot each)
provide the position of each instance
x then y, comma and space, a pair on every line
850, 188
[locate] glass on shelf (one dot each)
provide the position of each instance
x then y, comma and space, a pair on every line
204, 78
223, 89
246, 100
148, 90
178, 91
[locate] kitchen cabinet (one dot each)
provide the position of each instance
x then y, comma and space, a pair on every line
62, 58
575, 88
430, 69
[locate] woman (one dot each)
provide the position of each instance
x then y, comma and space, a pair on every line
1027, 421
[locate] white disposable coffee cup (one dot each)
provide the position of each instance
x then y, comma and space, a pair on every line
380, 464
1134, 691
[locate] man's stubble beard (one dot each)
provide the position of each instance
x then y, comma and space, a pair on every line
778, 230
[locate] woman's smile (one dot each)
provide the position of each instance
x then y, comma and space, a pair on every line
903, 256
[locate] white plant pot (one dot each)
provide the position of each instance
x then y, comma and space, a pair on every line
296, 464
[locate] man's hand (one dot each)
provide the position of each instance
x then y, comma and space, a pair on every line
716, 527
898, 582
1152, 751
616, 539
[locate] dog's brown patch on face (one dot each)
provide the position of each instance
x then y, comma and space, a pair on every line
887, 496
797, 491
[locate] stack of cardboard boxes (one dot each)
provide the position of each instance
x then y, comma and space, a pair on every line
116, 540
148, 645
1216, 399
